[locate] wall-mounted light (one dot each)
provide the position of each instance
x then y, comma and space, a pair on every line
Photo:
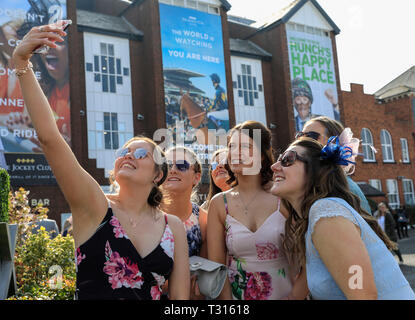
272, 125
140, 117
82, 113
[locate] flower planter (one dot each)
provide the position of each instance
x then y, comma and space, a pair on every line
8, 234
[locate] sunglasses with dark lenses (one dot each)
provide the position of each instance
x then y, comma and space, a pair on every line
311, 134
215, 165
288, 158
138, 153
181, 165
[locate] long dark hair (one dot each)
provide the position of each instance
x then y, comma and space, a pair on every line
267, 153
323, 179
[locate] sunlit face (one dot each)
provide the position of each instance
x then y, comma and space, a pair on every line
220, 174
303, 106
178, 181
289, 182
382, 208
319, 128
141, 171
243, 154
56, 62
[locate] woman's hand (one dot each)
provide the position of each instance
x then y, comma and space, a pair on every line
35, 38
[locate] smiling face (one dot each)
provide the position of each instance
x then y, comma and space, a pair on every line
220, 175
290, 181
178, 181
140, 171
303, 106
243, 153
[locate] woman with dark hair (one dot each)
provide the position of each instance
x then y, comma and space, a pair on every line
320, 129
245, 223
219, 175
344, 249
126, 246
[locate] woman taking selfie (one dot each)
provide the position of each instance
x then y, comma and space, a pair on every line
126, 247
345, 251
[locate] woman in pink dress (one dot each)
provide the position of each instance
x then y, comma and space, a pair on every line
246, 224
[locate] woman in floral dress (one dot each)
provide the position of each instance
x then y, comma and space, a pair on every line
126, 247
246, 224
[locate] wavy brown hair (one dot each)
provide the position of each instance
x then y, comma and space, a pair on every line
267, 153
323, 179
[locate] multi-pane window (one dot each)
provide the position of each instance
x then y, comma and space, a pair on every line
367, 145
107, 68
408, 191
376, 183
247, 85
393, 193
387, 149
110, 133
405, 151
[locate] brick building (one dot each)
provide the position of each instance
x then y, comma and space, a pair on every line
120, 80
386, 122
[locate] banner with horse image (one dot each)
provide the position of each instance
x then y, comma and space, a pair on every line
194, 74
20, 151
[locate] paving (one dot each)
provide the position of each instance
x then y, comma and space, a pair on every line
407, 247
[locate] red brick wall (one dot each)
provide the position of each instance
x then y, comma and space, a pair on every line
362, 111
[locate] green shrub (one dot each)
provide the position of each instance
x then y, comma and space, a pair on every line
4, 195
35, 261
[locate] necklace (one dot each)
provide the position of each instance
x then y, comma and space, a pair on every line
134, 223
250, 202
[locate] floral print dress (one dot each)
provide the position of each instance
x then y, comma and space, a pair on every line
257, 266
108, 267
194, 234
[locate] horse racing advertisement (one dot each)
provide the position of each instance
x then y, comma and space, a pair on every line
194, 76
20, 151
313, 78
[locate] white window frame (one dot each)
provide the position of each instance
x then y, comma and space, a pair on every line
376, 183
393, 193
367, 145
405, 151
408, 191
387, 146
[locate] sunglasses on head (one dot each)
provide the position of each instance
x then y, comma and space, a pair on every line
138, 153
181, 165
288, 158
311, 134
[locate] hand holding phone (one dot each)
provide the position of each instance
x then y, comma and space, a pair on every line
64, 24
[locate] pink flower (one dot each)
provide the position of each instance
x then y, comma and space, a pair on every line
121, 272
79, 256
155, 293
258, 286
167, 242
118, 230
266, 251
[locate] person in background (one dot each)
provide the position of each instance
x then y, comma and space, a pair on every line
246, 224
67, 227
219, 174
402, 221
387, 223
302, 99
344, 249
321, 129
183, 177
126, 247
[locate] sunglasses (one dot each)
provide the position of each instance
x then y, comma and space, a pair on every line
182, 165
288, 158
138, 153
215, 165
311, 134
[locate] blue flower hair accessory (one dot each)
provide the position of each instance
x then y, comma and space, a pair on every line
337, 153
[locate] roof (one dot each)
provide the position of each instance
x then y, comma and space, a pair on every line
240, 20
285, 14
370, 191
405, 83
105, 24
225, 4
247, 48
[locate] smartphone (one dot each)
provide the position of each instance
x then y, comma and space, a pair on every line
65, 24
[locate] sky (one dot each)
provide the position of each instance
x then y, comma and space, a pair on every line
375, 44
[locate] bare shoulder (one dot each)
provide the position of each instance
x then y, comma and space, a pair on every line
175, 223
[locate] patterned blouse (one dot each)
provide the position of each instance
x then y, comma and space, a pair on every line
108, 267
194, 234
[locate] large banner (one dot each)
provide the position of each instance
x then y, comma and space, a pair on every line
313, 78
194, 73
20, 149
